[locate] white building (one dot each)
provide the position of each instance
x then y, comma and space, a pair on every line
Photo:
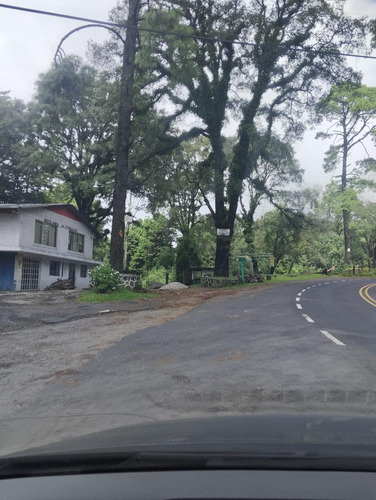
40, 244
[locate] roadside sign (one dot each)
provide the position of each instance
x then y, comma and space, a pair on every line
223, 232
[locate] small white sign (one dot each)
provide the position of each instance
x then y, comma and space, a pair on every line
223, 232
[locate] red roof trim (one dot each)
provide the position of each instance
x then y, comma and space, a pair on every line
66, 211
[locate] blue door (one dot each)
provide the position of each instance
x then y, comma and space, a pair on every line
7, 270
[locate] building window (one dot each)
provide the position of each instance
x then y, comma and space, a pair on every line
76, 242
83, 271
54, 268
45, 233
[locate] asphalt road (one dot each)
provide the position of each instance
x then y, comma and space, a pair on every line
294, 347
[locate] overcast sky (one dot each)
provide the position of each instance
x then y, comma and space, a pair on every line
28, 43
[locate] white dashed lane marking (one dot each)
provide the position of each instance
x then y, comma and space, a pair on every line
310, 320
330, 337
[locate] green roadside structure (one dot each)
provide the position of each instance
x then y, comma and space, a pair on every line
255, 257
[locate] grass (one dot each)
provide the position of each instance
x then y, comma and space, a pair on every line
283, 278
293, 277
117, 295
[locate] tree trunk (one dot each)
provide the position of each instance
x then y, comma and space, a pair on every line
222, 256
346, 235
345, 213
374, 257
123, 139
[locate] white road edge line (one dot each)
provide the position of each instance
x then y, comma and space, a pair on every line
320, 284
297, 299
327, 283
303, 290
299, 294
299, 306
313, 286
330, 337
310, 320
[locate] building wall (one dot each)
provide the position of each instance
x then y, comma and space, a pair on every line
27, 227
44, 274
9, 231
17, 234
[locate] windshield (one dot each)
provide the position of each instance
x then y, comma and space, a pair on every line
187, 213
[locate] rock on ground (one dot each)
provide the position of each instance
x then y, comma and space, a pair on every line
155, 286
175, 285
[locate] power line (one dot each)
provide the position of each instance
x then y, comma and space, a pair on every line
173, 33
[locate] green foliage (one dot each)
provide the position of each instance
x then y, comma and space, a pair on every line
101, 249
264, 85
177, 188
20, 181
104, 279
186, 257
150, 245
73, 119
351, 107
204, 236
158, 274
335, 200
279, 233
351, 97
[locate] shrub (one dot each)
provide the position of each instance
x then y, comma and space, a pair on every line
104, 279
157, 274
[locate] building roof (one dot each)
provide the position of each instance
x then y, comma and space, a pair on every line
30, 206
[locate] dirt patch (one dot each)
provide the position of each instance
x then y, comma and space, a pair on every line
192, 296
24, 310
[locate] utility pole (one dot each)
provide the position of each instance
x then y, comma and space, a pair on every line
123, 137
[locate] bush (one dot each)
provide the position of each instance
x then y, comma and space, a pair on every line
104, 279
158, 274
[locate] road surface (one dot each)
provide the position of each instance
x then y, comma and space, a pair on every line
294, 347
